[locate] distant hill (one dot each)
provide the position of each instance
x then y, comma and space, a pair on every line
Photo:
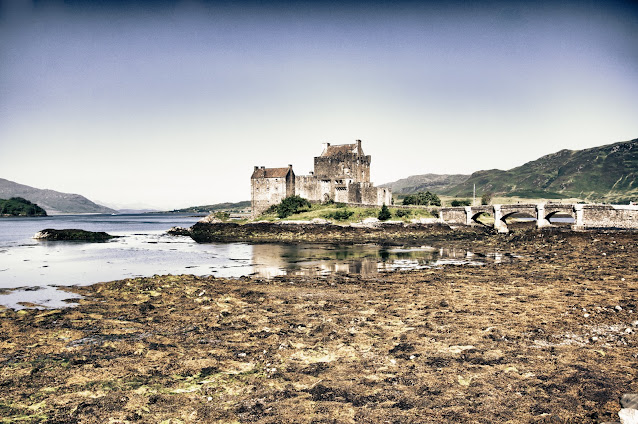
601, 174
226, 206
51, 201
435, 183
17, 206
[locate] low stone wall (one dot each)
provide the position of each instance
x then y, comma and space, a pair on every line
606, 216
454, 215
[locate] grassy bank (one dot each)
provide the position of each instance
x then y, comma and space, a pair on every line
346, 214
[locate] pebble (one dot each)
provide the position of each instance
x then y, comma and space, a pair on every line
629, 400
628, 416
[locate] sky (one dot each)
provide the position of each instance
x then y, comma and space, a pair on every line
169, 104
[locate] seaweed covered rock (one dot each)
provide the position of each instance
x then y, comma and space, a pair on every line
179, 231
72, 235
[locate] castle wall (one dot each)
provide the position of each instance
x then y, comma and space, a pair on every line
326, 190
270, 191
354, 194
266, 192
344, 166
307, 186
341, 194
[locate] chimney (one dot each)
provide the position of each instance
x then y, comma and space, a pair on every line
359, 146
256, 168
289, 166
263, 167
325, 147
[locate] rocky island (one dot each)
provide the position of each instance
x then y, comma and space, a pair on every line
72, 235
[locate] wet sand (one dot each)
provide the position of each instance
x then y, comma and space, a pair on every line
548, 338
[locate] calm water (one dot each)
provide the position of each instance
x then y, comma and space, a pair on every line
31, 269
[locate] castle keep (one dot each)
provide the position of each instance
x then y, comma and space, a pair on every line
341, 174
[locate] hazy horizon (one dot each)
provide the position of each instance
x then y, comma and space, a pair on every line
171, 103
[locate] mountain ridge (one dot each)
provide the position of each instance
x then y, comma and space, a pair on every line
54, 202
607, 173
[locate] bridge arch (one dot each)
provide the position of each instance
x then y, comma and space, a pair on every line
518, 213
477, 215
560, 214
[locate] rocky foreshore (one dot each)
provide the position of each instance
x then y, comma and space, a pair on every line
548, 338
396, 233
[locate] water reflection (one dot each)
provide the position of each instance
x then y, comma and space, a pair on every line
276, 260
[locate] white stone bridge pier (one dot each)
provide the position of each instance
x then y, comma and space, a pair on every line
584, 215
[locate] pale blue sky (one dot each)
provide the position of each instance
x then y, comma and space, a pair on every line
171, 104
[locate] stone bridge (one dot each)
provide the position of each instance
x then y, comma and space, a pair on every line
584, 215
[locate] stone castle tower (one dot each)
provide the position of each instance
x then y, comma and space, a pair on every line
341, 174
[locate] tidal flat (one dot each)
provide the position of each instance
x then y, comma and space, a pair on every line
549, 337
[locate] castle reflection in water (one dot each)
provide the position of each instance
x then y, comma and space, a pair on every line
272, 260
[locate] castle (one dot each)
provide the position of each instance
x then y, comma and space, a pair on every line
341, 174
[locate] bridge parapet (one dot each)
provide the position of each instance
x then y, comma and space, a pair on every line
585, 215
606, 216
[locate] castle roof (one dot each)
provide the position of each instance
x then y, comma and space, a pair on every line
341, 149
271, 172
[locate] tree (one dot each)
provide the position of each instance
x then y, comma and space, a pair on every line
384, 213
292, 205
421, 198
461, 202
486, 199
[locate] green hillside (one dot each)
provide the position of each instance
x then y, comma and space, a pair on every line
427, 182
226, 206
17, 206
600, 174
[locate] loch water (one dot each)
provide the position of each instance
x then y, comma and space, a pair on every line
31, 270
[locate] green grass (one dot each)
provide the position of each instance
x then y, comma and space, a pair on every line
359, 213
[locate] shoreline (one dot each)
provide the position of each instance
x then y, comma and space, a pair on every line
551, 337
381, 233
328, 233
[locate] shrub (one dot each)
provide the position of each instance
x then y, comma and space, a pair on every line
292, 205
340, 215
486, 199
384, 213
403, 213
222, 215
421, 198
461, 202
